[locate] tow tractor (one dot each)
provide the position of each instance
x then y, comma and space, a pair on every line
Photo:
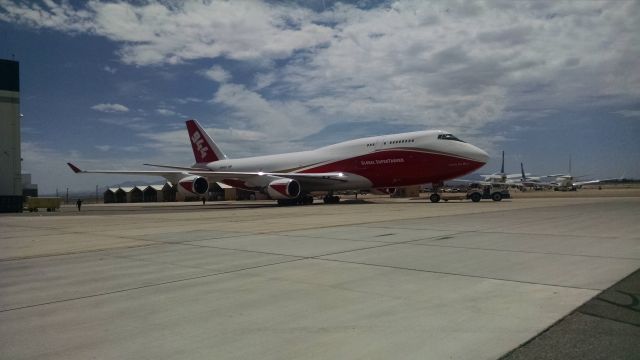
475, 193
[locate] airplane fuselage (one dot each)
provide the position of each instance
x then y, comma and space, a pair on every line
374, 162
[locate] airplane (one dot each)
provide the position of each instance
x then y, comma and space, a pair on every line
501, 177
566, 182
378, 163
527, 181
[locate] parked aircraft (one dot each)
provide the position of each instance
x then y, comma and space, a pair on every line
567, 182
535, 182
501, 177
373, 163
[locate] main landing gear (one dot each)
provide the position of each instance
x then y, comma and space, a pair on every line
300, 200
331, 199
437, 187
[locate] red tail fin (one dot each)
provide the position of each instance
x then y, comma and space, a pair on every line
204, 149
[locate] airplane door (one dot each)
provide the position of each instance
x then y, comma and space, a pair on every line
381, 143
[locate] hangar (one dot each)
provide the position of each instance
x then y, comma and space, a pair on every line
141, 193
10, 176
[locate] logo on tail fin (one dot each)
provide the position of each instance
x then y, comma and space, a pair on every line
200, 144
205, 149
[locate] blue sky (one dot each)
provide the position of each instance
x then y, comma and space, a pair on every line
108, 84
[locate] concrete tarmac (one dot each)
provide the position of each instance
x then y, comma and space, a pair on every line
377, 279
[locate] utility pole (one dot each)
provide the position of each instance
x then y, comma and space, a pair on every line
67, 202
96, 193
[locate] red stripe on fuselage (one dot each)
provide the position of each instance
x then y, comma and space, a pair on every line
402, 167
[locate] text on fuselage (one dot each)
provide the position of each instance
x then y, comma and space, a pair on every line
381, 162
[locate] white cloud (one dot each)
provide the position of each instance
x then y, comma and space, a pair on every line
110, 108
628, 113
234, 142
154, 33
63, 16
188, 100
110, 69
280, 120
134, 123
166, 112
217, 73
103, 147
455, 65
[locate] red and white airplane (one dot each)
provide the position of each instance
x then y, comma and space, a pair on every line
373, 163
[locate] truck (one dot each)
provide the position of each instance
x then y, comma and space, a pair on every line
50, 203
475, 193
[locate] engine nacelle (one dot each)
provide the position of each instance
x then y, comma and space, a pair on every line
283, 189
193, 186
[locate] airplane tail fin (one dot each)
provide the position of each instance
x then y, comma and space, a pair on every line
205, 149
502, 166
524, 177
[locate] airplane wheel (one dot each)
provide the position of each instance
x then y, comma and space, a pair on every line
475, 197
496, 196
307, 200
434, 198
331, 199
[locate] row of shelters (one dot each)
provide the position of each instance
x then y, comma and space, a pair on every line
137, 194
168, 192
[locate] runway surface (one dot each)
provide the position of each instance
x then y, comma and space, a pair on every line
376, 280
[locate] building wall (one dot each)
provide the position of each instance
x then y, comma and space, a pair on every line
10, 178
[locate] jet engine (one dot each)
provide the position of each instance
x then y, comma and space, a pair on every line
193, 186
283, 189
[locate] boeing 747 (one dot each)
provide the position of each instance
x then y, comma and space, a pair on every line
372, 163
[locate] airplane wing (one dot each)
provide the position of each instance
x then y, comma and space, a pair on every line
162, 173
481, 182
580, 183
217, 176
221, 175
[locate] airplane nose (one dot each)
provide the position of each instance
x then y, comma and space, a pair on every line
478, 154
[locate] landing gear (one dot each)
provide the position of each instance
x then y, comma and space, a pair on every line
331, 199
300, 200
435, 197
287, 202
306, 199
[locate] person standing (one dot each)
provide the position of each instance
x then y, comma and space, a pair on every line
79, 204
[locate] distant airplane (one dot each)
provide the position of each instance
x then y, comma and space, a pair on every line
567, 182
527, 181
373, 163
501, 177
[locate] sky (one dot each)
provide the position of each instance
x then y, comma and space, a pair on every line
109, 84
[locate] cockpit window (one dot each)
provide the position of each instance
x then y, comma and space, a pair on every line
448, 137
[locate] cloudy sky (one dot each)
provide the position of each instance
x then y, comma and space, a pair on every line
108, 84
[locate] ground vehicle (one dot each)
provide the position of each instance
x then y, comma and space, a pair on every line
475, 193
49, 203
